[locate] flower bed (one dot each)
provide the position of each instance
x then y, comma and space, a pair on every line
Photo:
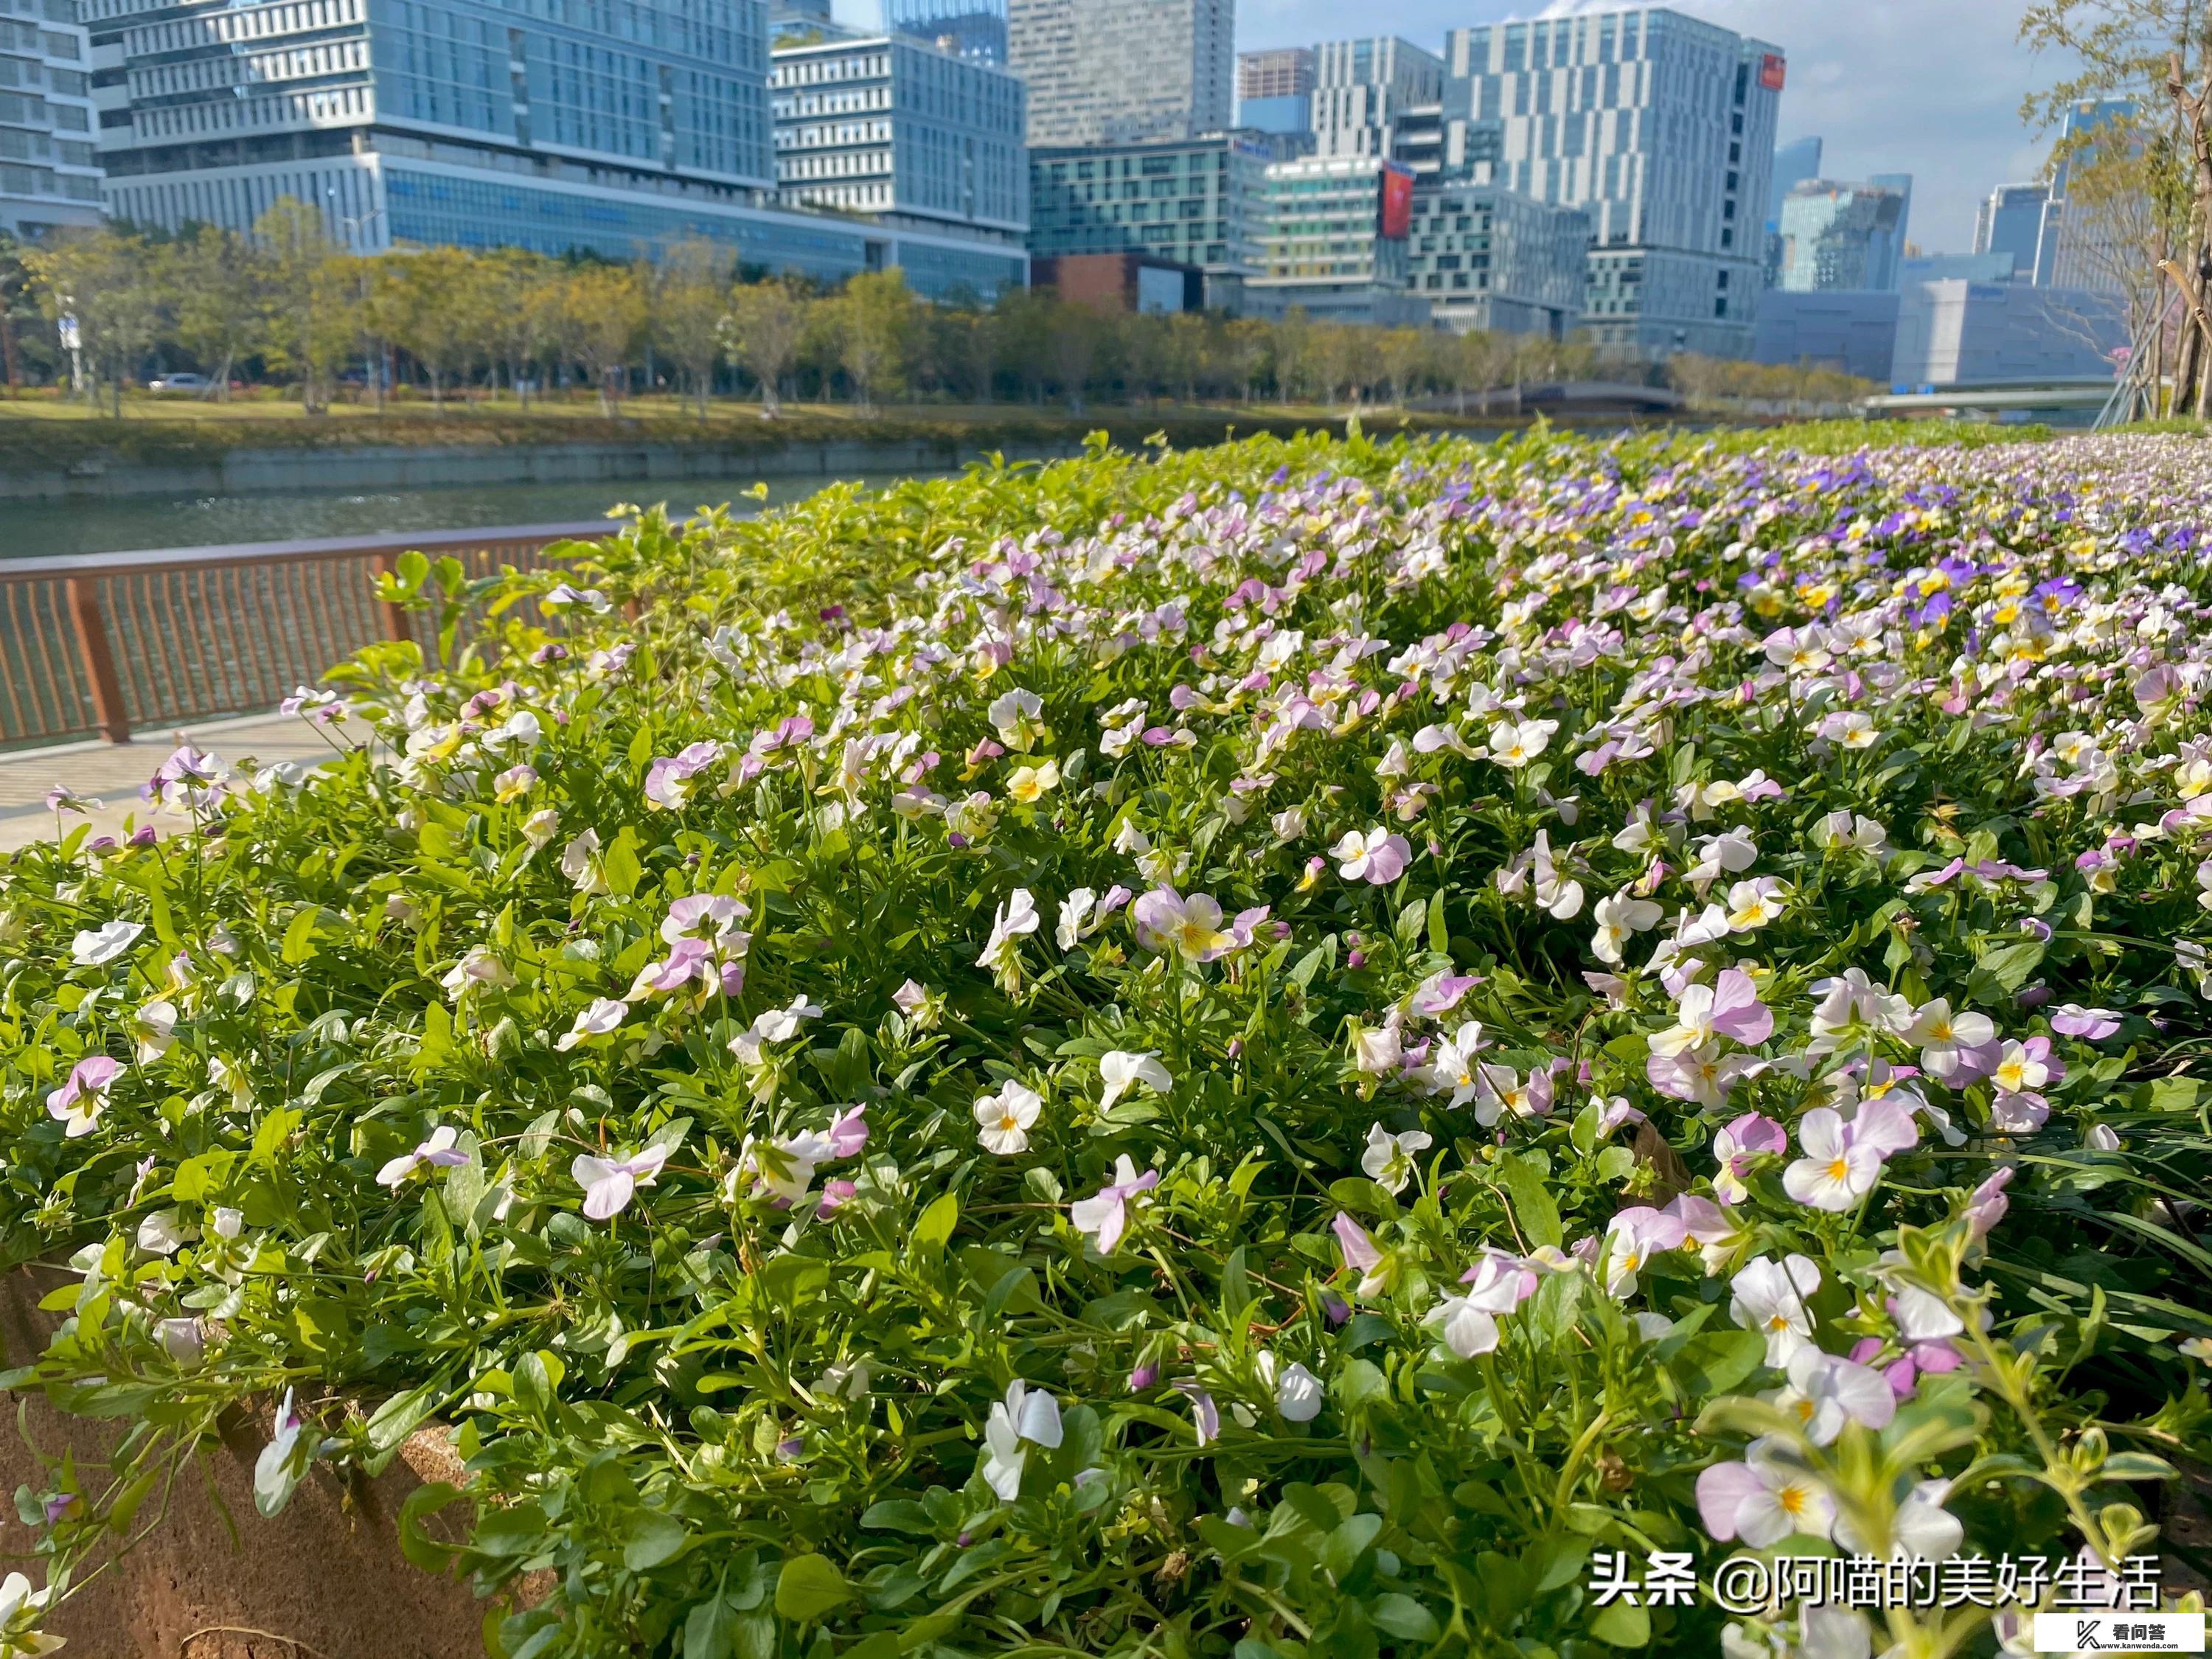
1298, 1049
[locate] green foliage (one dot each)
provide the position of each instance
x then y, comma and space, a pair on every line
505, 1079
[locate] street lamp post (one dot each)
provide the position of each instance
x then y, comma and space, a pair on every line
372, 349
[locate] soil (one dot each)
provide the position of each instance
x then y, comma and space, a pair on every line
323, 1580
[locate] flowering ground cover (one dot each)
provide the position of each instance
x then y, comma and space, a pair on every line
1303, 1050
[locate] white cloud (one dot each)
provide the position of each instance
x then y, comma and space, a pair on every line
1931, 88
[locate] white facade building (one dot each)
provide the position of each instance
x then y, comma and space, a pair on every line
49, 168
1124, 71
901, 129
1661, 127
1365, 90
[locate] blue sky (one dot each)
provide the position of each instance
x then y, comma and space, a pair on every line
1931, 88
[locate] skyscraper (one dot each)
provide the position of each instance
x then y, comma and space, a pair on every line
1662, 127
49, 171
1274, 89
975, 29
1793, 163
1886, 249
2017, 219
1124, 71
1840, 236
1365, 90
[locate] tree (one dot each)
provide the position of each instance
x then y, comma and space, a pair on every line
2158, 52
761, 331
306, 297
432, 295
689, 306
1073, 347
1403, 355
217, 285
101, 286
1247, 348
605, 309
874, 320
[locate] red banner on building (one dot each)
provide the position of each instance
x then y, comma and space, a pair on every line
1770, 71
1397, 203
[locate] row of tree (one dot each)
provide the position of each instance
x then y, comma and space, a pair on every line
283, 304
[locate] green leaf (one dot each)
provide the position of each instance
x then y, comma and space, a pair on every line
2011, 965
1622, 1626
654, 1539
709, 1629
300, 936
399, 1416
2137, 1466
898, 1514
1523, 1179
1402, 1616
933, 1227
810, 1586
620, 864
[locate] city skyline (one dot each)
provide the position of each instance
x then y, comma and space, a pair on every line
1880, 81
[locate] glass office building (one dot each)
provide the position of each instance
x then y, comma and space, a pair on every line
49, 169
616, 127
1201, 203
1661, 127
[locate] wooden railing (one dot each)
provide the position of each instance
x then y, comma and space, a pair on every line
108, 643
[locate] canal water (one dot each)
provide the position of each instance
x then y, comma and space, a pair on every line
34, 529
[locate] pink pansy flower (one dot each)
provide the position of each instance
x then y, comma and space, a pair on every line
1376, 856
1205, 1416
1499, 1281
84, 1094
1769, 1297
1987, 1204
1440, 992
1105, 1214
1632, 1237
1843, 1161
1190, 927
1763, 1501
668, 781
438, 1149
2091, 1024
849, 1131
1702, 1074
1359, 1251
609, 1184
1824, 1393
1729, 1007
1749, 1137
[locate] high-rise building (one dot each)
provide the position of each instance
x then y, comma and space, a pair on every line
1335, 242
1201, 202
2086, 253
1793, 163
1365, 90
2018, 220
912, 135
475, 124
1662, 128
974, 29
49, 169
1124, 71
1274, 90
1840, 236
1886, 250
1488, 258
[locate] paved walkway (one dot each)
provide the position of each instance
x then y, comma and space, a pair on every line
111, 772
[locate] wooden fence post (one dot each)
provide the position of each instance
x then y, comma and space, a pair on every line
395, 616
99, 660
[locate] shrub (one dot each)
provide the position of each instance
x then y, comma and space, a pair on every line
1305, 1048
